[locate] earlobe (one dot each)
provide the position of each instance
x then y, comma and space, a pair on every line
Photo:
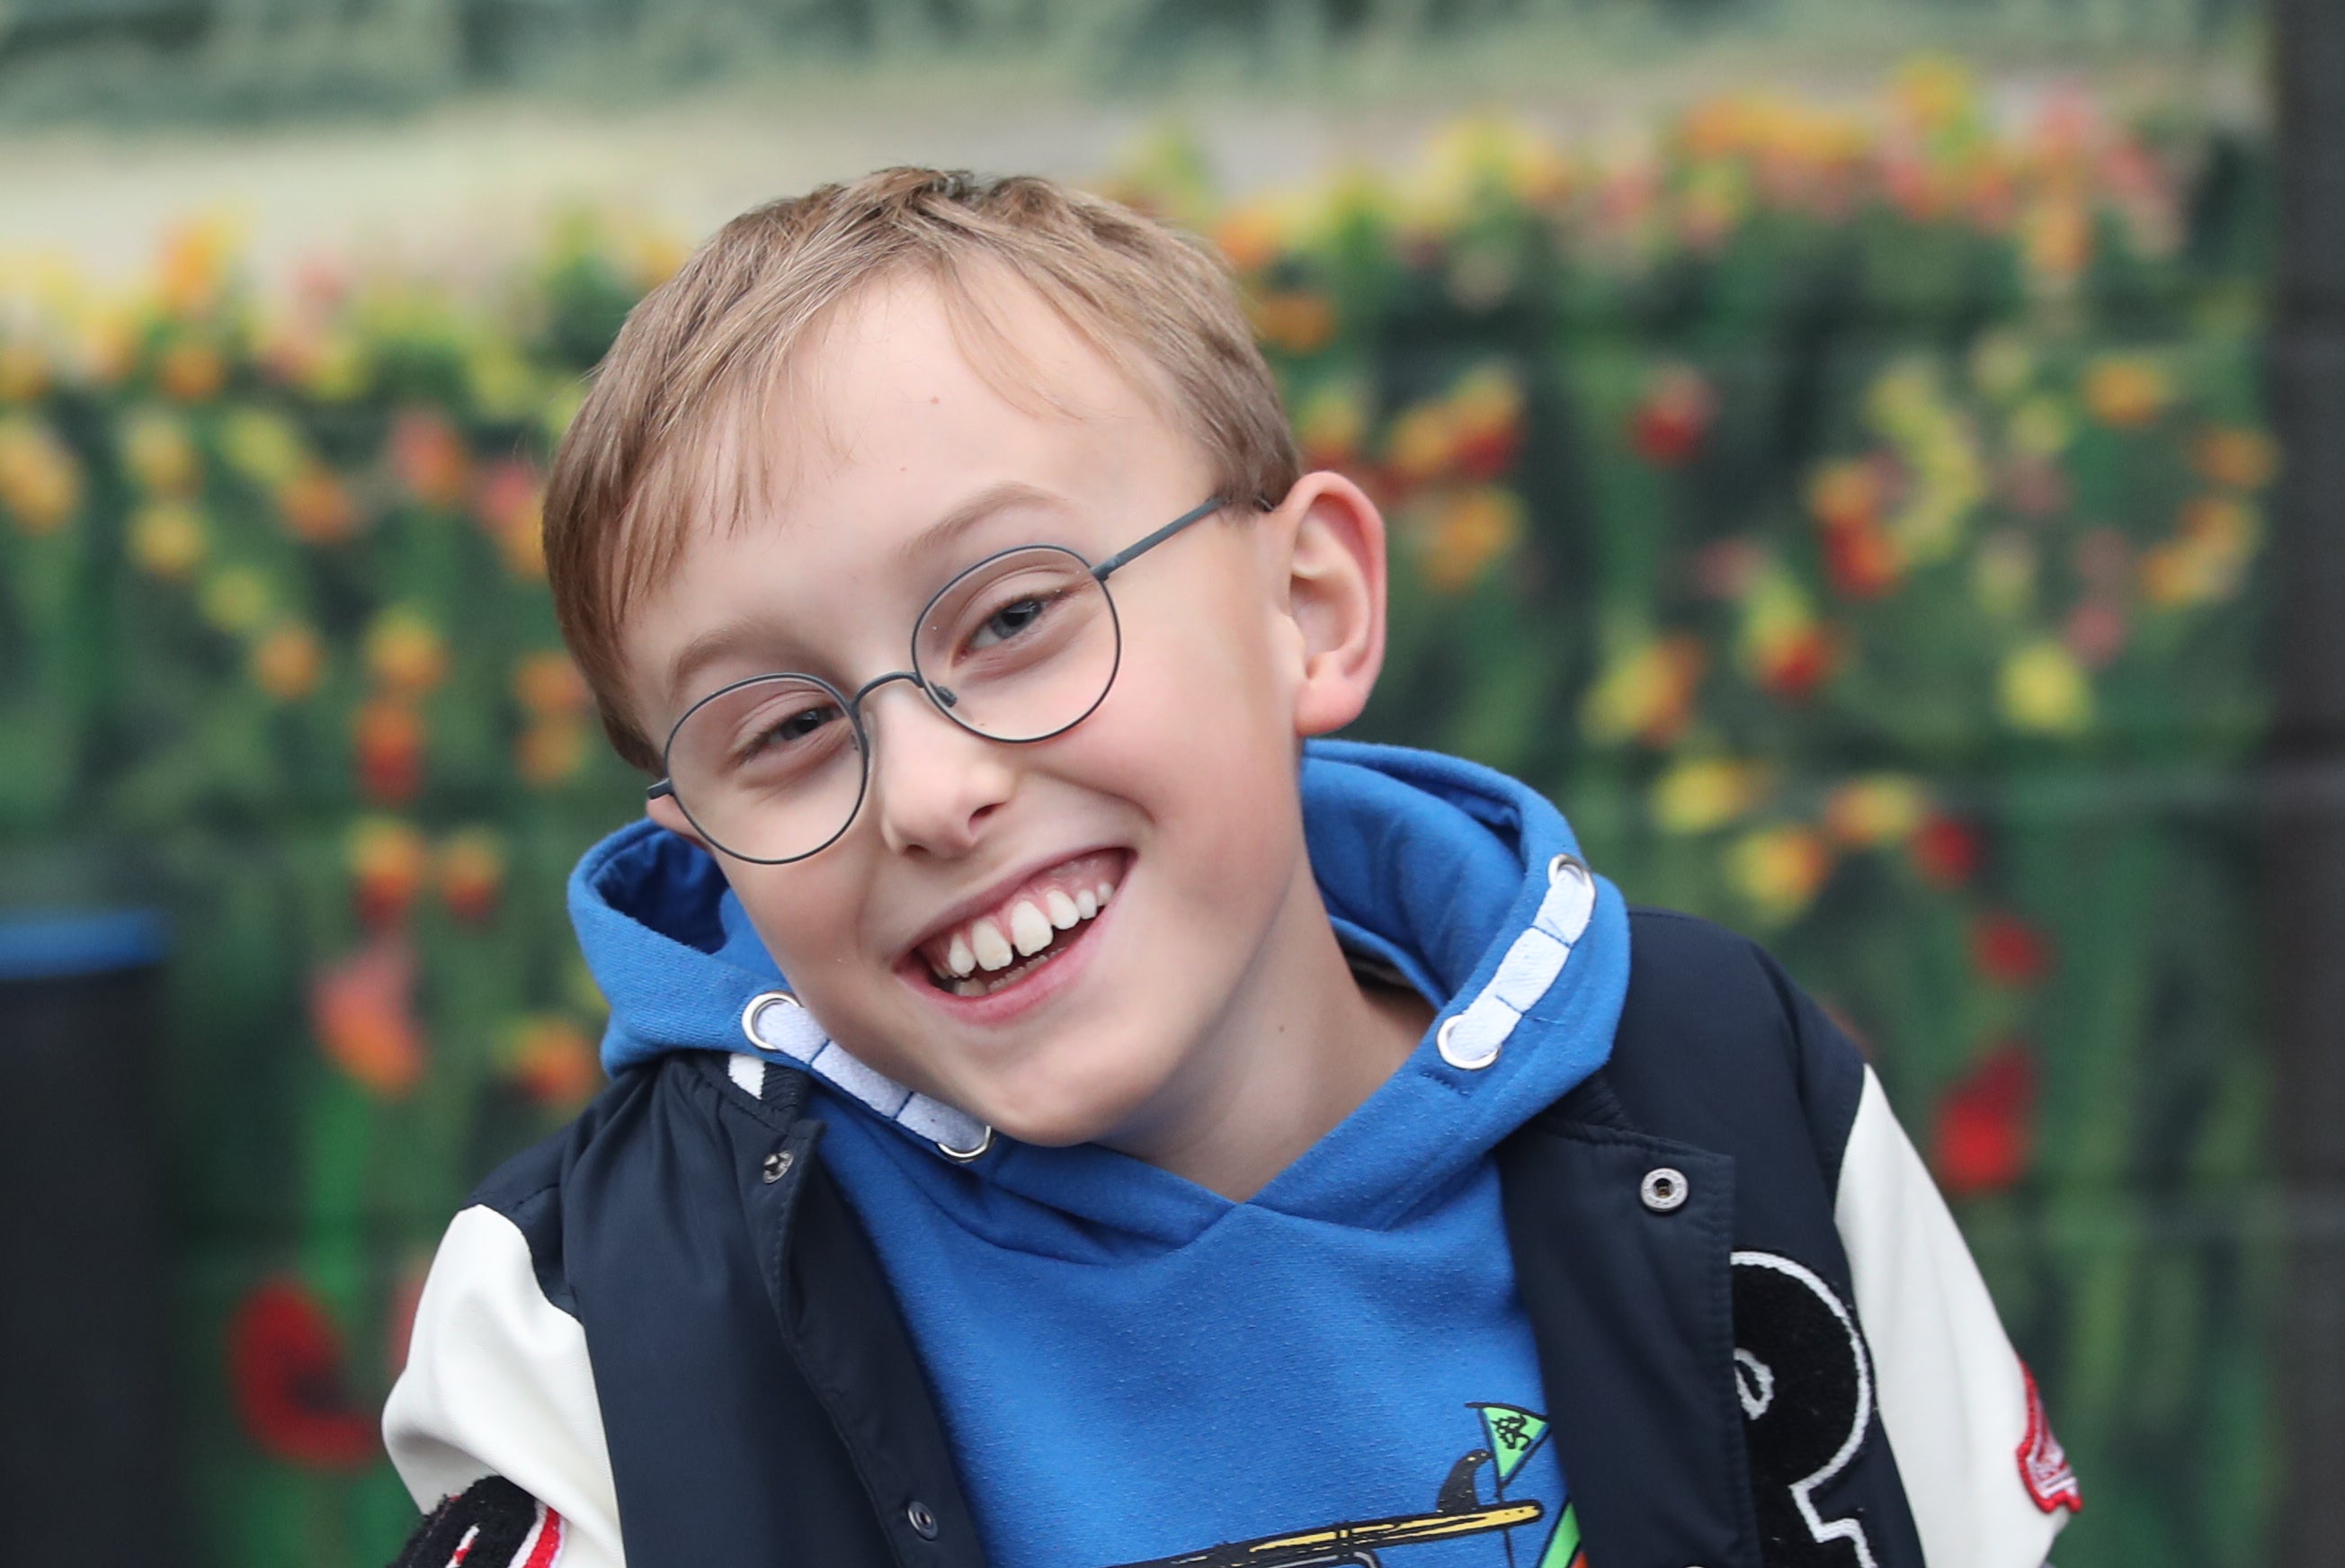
1335, 597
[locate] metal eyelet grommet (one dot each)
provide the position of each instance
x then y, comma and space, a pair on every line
777, 1165
984, 1142
1664, 1190
922, 1519
1445, 1041
755, 1009
1555, 869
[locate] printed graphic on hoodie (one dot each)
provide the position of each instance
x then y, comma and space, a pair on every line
1511, 1435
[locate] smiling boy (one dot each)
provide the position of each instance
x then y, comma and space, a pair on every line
1057, 1117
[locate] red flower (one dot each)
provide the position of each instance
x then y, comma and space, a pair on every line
285, 1374
1945, 851
1861, 562
362, 1010
1668, 424
1985, 1133
1793, 666
2008, 951
388, 736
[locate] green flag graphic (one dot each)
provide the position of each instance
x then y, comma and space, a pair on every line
1563, 1547
1512, 1434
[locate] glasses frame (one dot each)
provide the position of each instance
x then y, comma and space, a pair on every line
940, 697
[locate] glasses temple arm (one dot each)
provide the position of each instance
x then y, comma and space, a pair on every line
1125, 557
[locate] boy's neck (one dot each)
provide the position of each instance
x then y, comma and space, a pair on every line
1301, 1045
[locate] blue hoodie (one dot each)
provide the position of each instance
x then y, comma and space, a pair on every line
1131, 1367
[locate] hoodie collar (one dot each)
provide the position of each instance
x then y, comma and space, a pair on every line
1464, 881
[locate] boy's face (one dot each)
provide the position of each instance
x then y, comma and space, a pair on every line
1172, 810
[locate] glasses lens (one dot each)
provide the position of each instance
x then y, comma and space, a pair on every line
1021, 646
770, 769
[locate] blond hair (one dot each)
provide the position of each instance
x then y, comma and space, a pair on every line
665, 440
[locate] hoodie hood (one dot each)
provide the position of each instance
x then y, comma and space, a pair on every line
1462, 880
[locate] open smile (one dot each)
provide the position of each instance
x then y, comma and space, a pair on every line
1037, 921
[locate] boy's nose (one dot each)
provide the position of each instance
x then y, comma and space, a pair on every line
933, 783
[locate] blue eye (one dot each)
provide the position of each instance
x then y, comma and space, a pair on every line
1009, 621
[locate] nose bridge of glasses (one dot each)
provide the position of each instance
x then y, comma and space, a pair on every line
941, 698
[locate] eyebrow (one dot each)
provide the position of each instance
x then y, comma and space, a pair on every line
733, 635
994, 497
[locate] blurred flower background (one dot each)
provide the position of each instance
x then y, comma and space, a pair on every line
1826, 450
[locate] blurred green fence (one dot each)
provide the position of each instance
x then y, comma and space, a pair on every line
1852, 519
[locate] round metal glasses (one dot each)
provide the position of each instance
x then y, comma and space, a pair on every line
1020, 647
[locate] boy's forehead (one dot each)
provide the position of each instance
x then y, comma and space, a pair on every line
906, 344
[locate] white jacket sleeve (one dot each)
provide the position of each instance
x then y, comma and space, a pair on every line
1987, 1482
498, 1383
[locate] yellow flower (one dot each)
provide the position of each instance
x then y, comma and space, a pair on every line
190, 371
548, 685
2232, 455
1331, 424
1470, 530
1250, 236
236, 600
161, 454
40, 483
2041, 427
24, 373
337, 369
1876, 809
1935, 91
389, 860
2126, 392
2003, 574
1422, 443
472, 872
2044, 689
1778, 870
317, 505
1705, 794
1646, 693
191, 271
521, 545
550, 751
263, 447
1295, 321
500, 382
2056, 238
404, 652
288, 662
2002, 365
168, 539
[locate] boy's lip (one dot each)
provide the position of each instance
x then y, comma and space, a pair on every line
997, 892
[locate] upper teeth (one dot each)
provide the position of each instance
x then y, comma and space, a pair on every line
1032, 925
1028, 928
992, 951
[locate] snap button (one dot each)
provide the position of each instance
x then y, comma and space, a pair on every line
923, 1522
778, 1164
1664, 1190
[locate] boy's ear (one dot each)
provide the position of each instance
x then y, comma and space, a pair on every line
1335, 597
663, 810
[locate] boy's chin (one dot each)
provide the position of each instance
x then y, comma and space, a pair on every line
1066, 1118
